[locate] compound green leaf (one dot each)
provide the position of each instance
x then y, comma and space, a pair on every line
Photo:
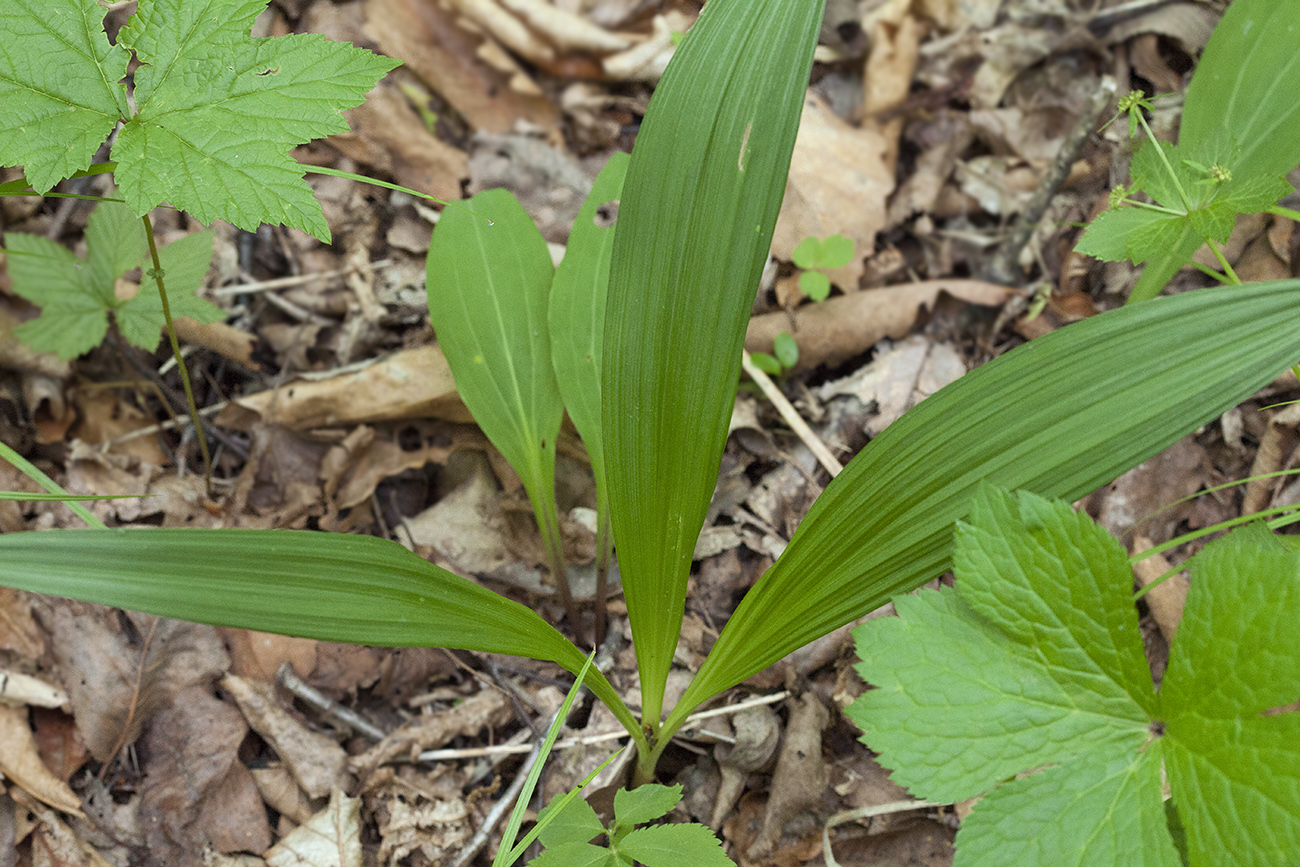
645, 803
1037, 653
576, 822
59, 85
185, 263
1059, 416
577, 312
328, 586
574, 855
1085, 814
1235, 771
1125, 233
675, 845
218, 112
807, 253
695, 226
1246, 82
836, 252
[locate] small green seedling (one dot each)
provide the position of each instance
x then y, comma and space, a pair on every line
1240, 135
815, 256
1027, 681
784, 355
77, 297
574, 825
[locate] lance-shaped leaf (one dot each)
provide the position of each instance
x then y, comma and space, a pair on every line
577, 323
695, 224
1059, 417
327, 586
489, 275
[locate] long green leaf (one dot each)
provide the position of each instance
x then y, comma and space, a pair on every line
1246, 84
695, 224
327, 586
489, 275
577, 321
1059, 416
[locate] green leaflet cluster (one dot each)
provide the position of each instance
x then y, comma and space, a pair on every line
568, 835
1240, 134
1033, 662
76, 296
215, 115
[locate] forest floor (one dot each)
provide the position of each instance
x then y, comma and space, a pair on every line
929, 129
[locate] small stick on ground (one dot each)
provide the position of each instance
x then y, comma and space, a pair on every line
791, 416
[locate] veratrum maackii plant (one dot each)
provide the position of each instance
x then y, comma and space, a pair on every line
1059, 416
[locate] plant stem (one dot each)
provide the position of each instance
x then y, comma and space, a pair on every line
604, 553
1160, 152
548, 522
176, 353
1223, 261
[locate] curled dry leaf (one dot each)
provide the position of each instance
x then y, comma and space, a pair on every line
316, 762
53, 842
281, 792
1166, 601
18, 630
20, 762
898, 379
414, 383
801, 776
485, 709
757, 734
838, 329
331, 838
17, 689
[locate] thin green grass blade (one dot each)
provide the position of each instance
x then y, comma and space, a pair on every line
1246, 84
1059, 416
327, 586
31, 471
702, 193
489, 276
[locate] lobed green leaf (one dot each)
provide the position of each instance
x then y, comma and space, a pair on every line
695, 225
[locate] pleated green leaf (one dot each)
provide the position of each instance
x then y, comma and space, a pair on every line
327, 586
1059, 417
695, 224
577, 311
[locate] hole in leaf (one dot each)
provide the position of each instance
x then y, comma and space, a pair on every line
606, 214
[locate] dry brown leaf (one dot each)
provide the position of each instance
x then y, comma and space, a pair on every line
21, 763
316, 761
18, 631
899, 379
118, 677
1166, 601
189, 753
332, 838
647, 60
388, 134
757, 733
225, 340
838, 184
436, 829
1276, 451
53, 844
18, 689
835, 330
486, 709
887, 78
17, 356
801, 776
280, 790
58, 743
445, 56
414, 383
260, 654
1174, 473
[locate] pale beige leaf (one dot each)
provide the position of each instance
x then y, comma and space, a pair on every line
332, 838
21, 763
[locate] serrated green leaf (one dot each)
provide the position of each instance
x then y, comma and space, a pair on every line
807, 253
1059, 416
695, 226
328, 586
1236, 774
1246, 82
1161, 266
645, 803
576, 822
674, 846
815, 285
76, 297
185, 263
1041, 661
836, 252
1086, 814
1113, 236
59, 87
574, 855
786, 349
